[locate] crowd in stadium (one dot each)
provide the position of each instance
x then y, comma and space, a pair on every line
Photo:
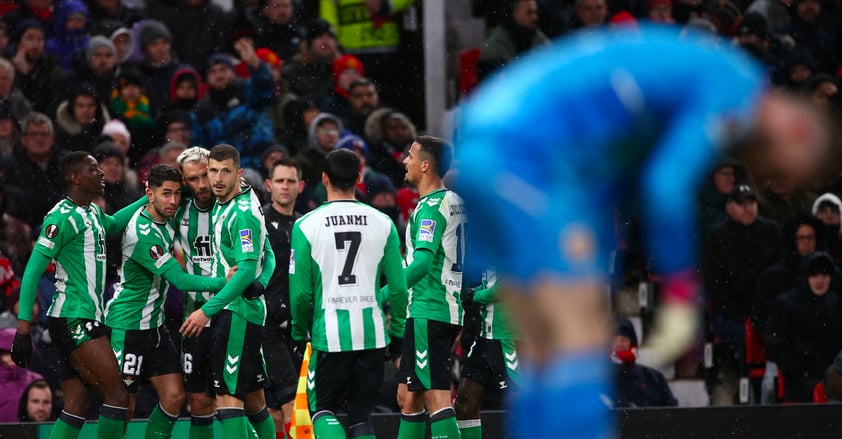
136, 83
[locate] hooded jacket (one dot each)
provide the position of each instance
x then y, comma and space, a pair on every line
638, 385
73, 136
312, 158
831, 235
803, 332
64, 44
201, 88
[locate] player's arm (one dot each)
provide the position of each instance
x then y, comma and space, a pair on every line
175, 275
118, 222
150, 254
484, 296
300, 285
398, 295
427, 241
269, 263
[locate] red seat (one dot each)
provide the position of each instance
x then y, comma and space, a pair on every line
818, 393
468, 78
755, 352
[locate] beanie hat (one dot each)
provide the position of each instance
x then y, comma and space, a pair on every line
25, 25
352, 142
269, 57
347, 61
130, 76
116, 126
220, 58
318, 28
95, 43
376, 184
152, 29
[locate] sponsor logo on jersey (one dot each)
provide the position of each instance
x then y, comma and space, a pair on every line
246, 241
292, 261
427, 230
51, 231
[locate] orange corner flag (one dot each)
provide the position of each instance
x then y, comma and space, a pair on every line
302, 426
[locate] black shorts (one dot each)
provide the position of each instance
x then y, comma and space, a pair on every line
335, 377
282, 367
196, 361
492, 363
236, 361
426, 362
67, 335
143, 354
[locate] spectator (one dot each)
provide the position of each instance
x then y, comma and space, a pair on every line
37, 72
517, 33
660, 11
808, 32
391, 133
175, 125
363, 99
15, 235
199, 28
781, 199
276, 29
637, 385
9, 133
36, 403
10, 96
119, 192
738, 250
346, 70
588, 14
309, 74
828, 209
381, 194
186, 88
804, 327
34, 180
823, 90
799, 66
233, 111
13, 379
776, 13
323, 135
114, 10
80, 119
753, 35
275, 110
41, 11
116, 131
270, 156
712, 198
130, 103
298, 115
158, 65
801, 236
70, 36
98, 68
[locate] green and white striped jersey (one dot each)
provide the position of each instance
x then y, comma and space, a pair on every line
438, 224
240, 234
139, 297
194, 237
338, 252
494, 314
74, 237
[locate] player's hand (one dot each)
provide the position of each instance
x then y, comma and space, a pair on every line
394, 350
254, 290
230, 274
21, 349
456, 343
675, 329
194, 324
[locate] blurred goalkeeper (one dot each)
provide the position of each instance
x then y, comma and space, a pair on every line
550, 145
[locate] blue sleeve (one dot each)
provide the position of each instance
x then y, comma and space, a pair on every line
260, 88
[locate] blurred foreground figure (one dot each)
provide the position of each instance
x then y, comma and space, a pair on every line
553, 143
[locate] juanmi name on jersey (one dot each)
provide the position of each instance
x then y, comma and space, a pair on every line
346, 220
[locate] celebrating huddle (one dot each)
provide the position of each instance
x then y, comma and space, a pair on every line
245, 320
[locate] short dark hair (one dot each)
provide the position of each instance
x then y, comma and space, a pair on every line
161, 173
23, 414
70, 163
285, 161
342, 167
361, 82
224, 152
440, 152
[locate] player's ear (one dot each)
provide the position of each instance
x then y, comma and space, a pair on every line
325, 180
266, 185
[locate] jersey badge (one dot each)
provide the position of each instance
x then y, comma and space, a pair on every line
275, 225
427, 230
156, 252
51, 231
246, 241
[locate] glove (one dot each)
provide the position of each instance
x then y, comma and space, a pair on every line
675, 329
21, 349
254, 290
468, 297
298, 349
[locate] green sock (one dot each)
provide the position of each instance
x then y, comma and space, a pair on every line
112, 422
443, 424
326, 426
413, 426
160, 424
234, 423
201, 427
470, 428
67, 427
263, 424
